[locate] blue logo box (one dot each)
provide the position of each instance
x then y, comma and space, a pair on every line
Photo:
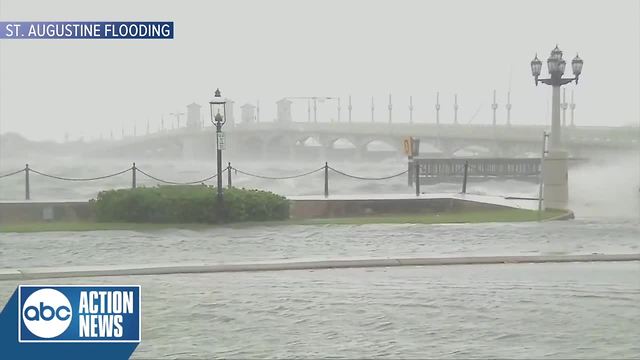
79, 313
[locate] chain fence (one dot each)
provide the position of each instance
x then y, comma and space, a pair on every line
229, 169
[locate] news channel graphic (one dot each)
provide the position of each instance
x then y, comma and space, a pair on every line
86, 30
79, 313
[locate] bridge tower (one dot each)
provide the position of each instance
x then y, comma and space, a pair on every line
284, 110
350, 108
494, 106
573, 108
410, 109
508, 107
193, 116
455, 109
247, 113
438, 108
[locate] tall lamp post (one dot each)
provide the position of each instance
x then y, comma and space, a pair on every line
455, 109
218, 118
438, 108
494, 107
556, 66
410, 109
390, 107
508, 107
555, 169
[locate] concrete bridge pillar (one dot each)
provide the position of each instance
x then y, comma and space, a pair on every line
555, 175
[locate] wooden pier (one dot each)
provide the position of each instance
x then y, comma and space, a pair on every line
439, 169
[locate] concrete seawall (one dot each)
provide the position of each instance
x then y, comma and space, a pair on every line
100, 271
38, 211
335, 208
302, 207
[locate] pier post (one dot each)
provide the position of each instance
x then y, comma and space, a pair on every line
27, 189
464, 177
133, 176
417, 176
326, 179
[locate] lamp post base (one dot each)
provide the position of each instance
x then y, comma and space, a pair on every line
556, 180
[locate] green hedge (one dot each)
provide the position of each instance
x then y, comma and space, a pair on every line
188, 204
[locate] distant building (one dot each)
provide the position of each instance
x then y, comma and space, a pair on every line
193, 116
284, 110
248, 113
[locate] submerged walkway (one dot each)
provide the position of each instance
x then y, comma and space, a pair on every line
128, 270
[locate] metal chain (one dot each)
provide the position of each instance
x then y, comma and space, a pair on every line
278, 178
176, 182
79, 179
11, 174
368, 178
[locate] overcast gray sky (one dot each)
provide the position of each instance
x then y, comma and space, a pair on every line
272, 49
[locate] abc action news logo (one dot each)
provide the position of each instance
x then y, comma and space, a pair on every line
68, 313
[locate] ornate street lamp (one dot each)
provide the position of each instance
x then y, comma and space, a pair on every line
556, 66
554, 164
219, 118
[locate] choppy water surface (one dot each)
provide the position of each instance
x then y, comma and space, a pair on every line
296, 242
495, 311
578, 310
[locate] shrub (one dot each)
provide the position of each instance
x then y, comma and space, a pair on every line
188, 204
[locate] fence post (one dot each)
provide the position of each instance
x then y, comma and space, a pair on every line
417, 176
541, 174
326, 179
229, 175
133, 176
464, 177
27, 189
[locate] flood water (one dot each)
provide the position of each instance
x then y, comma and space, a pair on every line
575, 310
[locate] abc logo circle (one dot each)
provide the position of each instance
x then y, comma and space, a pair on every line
47, 313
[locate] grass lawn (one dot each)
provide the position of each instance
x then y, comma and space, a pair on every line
506, 215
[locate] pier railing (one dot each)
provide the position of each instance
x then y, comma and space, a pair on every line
431, 168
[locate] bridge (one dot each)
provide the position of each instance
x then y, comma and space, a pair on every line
360, 139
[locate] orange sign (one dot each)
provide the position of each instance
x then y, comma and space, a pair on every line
407, 145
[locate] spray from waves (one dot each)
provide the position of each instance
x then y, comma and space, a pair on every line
606, 186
